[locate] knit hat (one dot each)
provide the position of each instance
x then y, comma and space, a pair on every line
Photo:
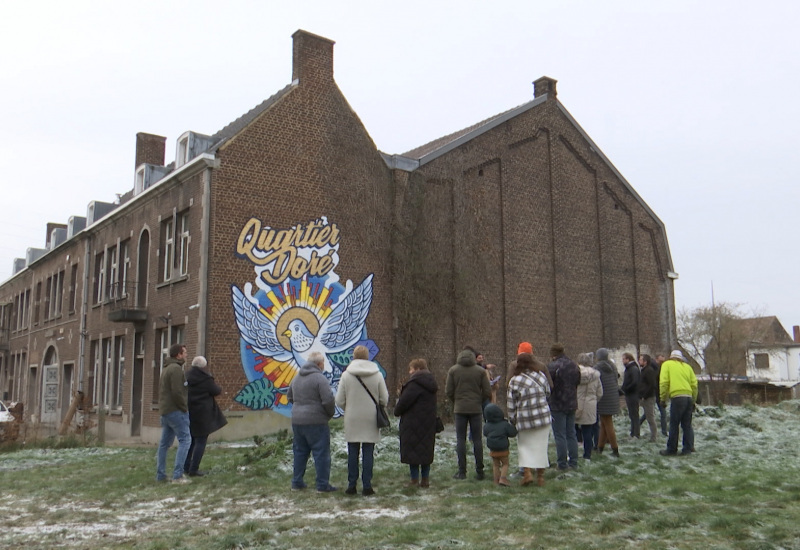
525, 347
556, 349
676, 354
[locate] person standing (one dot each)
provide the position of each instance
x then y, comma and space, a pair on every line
497, 431
563, 403
361, 383
662, 407
590, 390
174, 410
205, 417
648, 392
416, 408
630, 387
529, 412
467, 388
679, 384
608, 405
312, 407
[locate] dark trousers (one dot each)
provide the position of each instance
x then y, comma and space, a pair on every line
680, 417
367, 461
474, 423
589, 439
195, 454
632, 402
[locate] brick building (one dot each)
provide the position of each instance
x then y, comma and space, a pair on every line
288, 231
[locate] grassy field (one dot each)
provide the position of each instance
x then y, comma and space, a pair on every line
741, 489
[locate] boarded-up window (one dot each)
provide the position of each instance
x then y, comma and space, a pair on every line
761, 360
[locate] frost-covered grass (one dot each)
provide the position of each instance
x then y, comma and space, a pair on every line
741, 489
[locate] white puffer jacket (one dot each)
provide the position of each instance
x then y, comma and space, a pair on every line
590, 390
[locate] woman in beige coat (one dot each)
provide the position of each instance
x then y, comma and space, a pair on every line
590, 390
360, 423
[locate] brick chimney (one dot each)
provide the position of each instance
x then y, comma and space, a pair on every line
544, 85
796, 330
150, 149
312, 57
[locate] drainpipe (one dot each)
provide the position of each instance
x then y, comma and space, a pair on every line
84, 313
205, 243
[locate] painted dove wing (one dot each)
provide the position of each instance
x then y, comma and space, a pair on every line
255, 328
345, 325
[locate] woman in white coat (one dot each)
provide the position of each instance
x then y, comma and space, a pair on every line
360, 423
590, 390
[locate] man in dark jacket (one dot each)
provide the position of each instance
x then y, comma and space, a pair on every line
312, 407
468, 388
630, 387
174, 410
563, 403
648, 392
205, 417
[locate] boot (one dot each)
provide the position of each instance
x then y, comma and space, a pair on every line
503, 482
615, 452
413, 483
425, 482
540, 477
527, 477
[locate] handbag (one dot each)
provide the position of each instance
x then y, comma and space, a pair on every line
380, 413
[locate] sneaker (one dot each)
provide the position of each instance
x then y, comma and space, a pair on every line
368, 491
665, 452
182, 480
459, 475
328, 489
351, 490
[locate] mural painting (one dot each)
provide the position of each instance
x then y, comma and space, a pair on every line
295, 306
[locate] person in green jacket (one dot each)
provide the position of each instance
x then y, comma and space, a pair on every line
173, 406
678, 383
468, 389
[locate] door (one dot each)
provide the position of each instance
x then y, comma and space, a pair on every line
66, 388
50, 386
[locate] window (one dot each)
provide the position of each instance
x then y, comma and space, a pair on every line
169, 248
73, 287
112, 267
55, 291
761, 360
48, 290
37, 298
99, 276
118, 372
165, 337
124, 266
183, 256
183, 152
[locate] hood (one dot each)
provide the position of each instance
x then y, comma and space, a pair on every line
466, 358
308, 368
362, 367
588, 374
196, 375
602, 354
425, 380
493, 413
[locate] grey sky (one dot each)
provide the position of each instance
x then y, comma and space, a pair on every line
695, 103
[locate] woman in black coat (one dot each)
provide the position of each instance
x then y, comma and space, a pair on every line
204, 414
416, 408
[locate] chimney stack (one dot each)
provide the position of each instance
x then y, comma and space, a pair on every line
796, 330
544, 85
312, 57
150, 149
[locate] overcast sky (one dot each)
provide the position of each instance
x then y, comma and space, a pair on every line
695, 103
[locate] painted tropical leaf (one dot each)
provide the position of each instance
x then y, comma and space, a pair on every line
259, 394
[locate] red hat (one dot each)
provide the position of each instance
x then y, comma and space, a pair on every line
525, 347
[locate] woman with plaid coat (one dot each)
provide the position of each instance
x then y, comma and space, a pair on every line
528, 410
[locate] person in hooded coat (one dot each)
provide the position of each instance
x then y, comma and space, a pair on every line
590, 390
205, 417
416, 408
608, 405
360, 424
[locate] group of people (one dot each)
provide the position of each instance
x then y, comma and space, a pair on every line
189, 412
576, 401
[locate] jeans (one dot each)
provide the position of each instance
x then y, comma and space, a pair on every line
474, 421
174, 424
311, 439
415, 470
589, 439
195, 454
566, 440
680, 416
353, 449
632, 402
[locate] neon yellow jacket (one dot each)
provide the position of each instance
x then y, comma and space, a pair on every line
677, 378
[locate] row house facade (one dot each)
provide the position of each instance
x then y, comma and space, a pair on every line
288, 232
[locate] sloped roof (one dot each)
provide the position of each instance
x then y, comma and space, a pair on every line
240, 123
764, 330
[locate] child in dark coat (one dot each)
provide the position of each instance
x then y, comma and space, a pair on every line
497, 431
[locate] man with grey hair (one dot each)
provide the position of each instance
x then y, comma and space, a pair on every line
312, 407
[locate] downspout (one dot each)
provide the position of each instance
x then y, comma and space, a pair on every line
205, 243
84, 313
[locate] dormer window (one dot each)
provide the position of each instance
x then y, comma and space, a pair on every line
138, 185
183, 151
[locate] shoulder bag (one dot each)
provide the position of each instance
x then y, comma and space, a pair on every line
380, 412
